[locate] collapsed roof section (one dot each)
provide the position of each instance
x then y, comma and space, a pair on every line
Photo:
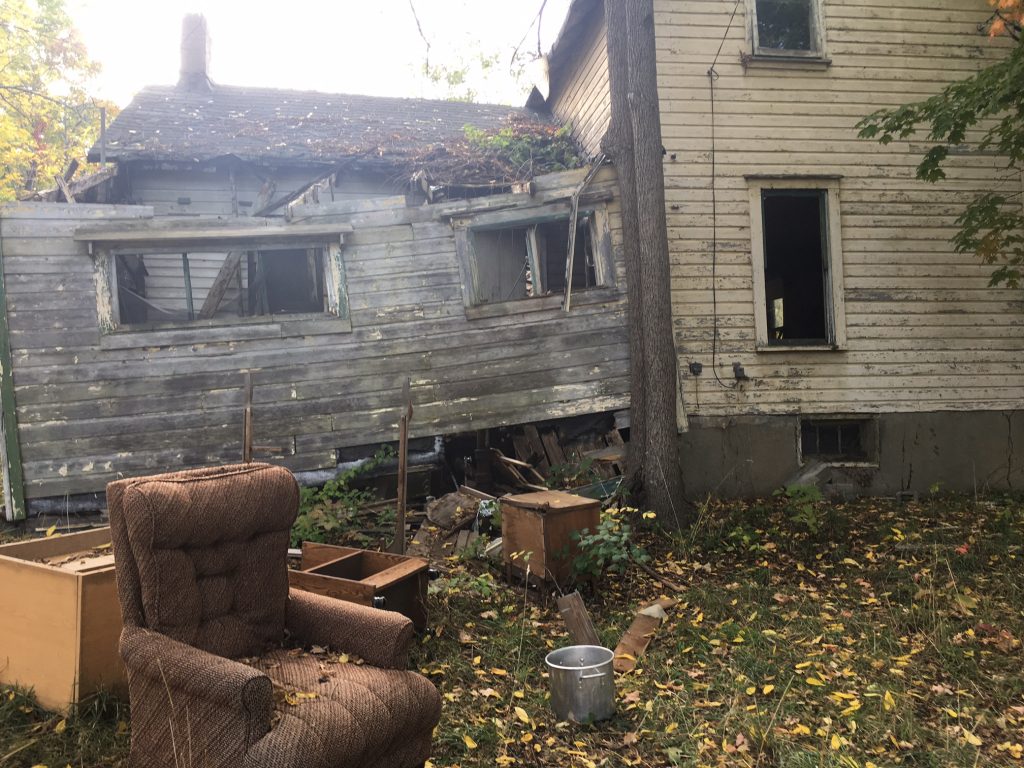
452, 141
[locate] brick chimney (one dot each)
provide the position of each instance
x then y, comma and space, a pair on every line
195, 54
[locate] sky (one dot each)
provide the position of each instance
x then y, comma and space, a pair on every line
346, 46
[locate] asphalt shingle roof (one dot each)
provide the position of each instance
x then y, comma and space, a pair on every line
265, 124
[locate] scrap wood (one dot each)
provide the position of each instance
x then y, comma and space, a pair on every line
640, 633
516, 464
577, 620
474, 492
665, 582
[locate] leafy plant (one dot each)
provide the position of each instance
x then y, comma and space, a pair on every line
610, 547
542, 152
802, 506
572, 475
325, 513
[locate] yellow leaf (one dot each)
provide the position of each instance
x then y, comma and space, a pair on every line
888, 702
803, 665
650, 515
60, 727
814, 681
801, 730
469, 741
51, 530
498, 671
767, 689
851, 561
971, 738
521, 714
751, 691
671, 727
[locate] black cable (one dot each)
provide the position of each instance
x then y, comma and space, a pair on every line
712, 76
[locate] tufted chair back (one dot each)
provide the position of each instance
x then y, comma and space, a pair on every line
201, 554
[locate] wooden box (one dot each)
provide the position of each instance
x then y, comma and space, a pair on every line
542, 524
60, 617
377, 579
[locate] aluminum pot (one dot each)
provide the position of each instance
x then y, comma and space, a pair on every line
582, 683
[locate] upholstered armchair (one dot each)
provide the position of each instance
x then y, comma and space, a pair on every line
212, 636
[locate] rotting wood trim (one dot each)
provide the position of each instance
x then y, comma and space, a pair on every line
164, 232
220, 285
12, 471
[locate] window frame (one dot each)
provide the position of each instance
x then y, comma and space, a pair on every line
835, 319
604, 269
870, 439
816, 54
334, 284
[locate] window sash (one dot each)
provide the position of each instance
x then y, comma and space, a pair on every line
816, 36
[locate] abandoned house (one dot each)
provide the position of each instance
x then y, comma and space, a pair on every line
331, 248
326, 248
823, 321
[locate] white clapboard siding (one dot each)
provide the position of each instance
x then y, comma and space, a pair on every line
579, 93
924, 330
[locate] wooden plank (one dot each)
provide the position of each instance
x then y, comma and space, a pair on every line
314, 553
537, 447
13, 473
169, 232
341, 589
221, 283
396, 573
51, 546
639, 635
99, 663
577, 620
554, 450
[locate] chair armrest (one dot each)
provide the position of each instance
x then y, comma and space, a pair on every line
379, 637
192, 672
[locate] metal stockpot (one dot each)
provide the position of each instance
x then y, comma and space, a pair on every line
582, 683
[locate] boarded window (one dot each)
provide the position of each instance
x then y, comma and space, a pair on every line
155, 288
796, 266
527, 261
786, 26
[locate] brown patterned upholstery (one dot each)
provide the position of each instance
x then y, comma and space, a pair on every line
203, 586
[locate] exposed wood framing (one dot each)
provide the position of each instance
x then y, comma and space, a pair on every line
167, 232
221, 283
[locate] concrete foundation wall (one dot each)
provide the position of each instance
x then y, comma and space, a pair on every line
751, 456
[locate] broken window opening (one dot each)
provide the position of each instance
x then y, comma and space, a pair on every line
179, 288
786, 26
837, 440
796, 266
531, 260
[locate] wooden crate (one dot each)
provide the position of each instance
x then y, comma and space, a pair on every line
364, 577
61, 623
542, 524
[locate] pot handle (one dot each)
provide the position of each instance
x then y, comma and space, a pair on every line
593, 676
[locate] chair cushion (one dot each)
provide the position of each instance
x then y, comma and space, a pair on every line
356, 713
210, 554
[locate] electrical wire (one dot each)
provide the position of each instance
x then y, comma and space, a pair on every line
712, 77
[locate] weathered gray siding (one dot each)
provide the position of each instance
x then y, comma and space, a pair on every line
95, 406
924, 330
579, 87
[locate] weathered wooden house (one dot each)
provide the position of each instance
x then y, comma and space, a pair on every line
331, 247
821, 313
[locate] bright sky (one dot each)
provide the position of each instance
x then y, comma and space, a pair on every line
346, 46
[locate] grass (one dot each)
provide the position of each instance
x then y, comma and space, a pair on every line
850, 635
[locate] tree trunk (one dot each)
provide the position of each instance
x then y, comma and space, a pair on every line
634, 144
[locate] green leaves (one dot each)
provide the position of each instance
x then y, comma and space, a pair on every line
984, 113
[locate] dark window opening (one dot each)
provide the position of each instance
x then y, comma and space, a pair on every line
838, 439
156, 288
529, 261
786, 25
796, 266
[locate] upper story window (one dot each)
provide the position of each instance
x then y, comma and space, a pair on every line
787, 28
518, 262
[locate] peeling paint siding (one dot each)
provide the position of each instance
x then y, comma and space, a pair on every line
579, 93
94, 406
925, 332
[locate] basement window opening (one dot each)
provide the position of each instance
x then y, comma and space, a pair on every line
839, 440
160, 288
786, 27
